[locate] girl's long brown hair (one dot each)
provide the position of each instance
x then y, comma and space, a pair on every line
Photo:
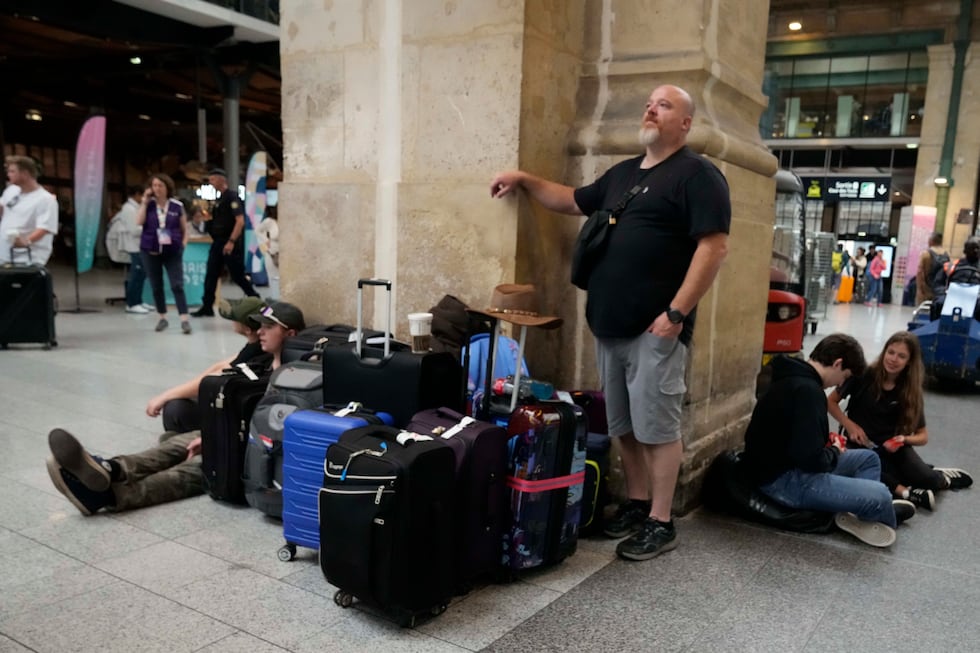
908, 384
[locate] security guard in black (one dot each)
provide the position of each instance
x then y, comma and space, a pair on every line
227, 231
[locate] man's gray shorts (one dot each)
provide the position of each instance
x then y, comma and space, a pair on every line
643, 380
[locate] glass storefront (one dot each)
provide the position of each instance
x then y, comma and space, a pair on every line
864, 96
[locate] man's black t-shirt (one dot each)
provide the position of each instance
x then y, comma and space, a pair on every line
681, 199
223, 214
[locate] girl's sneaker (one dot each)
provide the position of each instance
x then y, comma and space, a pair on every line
922, 498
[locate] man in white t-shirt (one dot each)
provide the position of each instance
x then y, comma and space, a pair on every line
28, 214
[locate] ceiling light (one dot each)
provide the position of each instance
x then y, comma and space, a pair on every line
69, 103
911, 146
183, 96
143, 116
34, 115
174, 122
795, 26
135, 61
942, 182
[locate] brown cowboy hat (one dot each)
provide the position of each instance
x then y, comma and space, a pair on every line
517, 303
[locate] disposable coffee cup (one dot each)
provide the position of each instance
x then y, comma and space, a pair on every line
420, 327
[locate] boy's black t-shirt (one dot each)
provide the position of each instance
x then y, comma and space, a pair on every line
681, 199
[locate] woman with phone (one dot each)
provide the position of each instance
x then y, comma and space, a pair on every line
162, 243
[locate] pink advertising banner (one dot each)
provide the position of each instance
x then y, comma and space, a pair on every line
89, 182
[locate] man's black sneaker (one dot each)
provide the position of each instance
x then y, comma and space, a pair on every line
651, 540
94, 472
922, 498
87, 501
956, 479
627, 520
903, 510
203, 312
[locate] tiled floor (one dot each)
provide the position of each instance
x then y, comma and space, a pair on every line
200, 576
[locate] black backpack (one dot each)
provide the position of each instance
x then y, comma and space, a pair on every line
937, 273
294, 386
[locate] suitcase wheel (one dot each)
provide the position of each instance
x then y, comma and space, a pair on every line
438, 610
343, 599
287, 552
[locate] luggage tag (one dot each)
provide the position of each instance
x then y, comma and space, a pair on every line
352, 407
405, 437
163, 237
247, 371
463, 423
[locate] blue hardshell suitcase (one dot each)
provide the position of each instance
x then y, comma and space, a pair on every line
307, 435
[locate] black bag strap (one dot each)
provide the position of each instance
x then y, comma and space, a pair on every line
630, 194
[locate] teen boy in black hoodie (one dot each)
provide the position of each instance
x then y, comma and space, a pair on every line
791, 456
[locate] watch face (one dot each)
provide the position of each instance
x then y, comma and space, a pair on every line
675, 316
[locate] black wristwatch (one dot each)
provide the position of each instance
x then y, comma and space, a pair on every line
675, 316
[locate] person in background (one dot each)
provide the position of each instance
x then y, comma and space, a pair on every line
268, 235
129, 241
875, 269
931, 262
28, 215
885, 413
162, 241
227, 229
178, 404
167, 472
199, 224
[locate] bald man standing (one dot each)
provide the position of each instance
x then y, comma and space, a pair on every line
662, 256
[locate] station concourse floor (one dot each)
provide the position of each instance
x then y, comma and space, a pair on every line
197, 575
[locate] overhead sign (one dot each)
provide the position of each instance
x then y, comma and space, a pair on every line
833, 189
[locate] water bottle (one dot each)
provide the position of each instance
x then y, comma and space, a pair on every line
529, 388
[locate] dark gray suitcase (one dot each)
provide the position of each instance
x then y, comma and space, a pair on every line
26, 305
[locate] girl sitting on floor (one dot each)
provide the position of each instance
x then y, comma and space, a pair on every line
885, 413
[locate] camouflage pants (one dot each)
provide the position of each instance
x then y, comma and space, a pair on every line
159, 475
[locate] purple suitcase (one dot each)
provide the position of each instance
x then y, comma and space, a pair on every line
481, 494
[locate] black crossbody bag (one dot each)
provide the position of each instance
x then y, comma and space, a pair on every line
594, 235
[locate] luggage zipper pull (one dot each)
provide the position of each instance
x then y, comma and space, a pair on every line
219, 401
377, 497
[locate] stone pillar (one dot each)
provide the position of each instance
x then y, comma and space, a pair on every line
965, 160
396, 115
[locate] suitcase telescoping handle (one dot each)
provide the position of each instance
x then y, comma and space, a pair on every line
492, 359
29, 259
359, 337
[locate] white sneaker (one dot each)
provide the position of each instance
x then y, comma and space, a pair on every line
139, 308
869, 532
149, 307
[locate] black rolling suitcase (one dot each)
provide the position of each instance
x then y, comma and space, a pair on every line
390, 378
26, 305
228, 400
481, 496
319, 337
386, 521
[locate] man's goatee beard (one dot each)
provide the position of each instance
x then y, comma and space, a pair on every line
647, 135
